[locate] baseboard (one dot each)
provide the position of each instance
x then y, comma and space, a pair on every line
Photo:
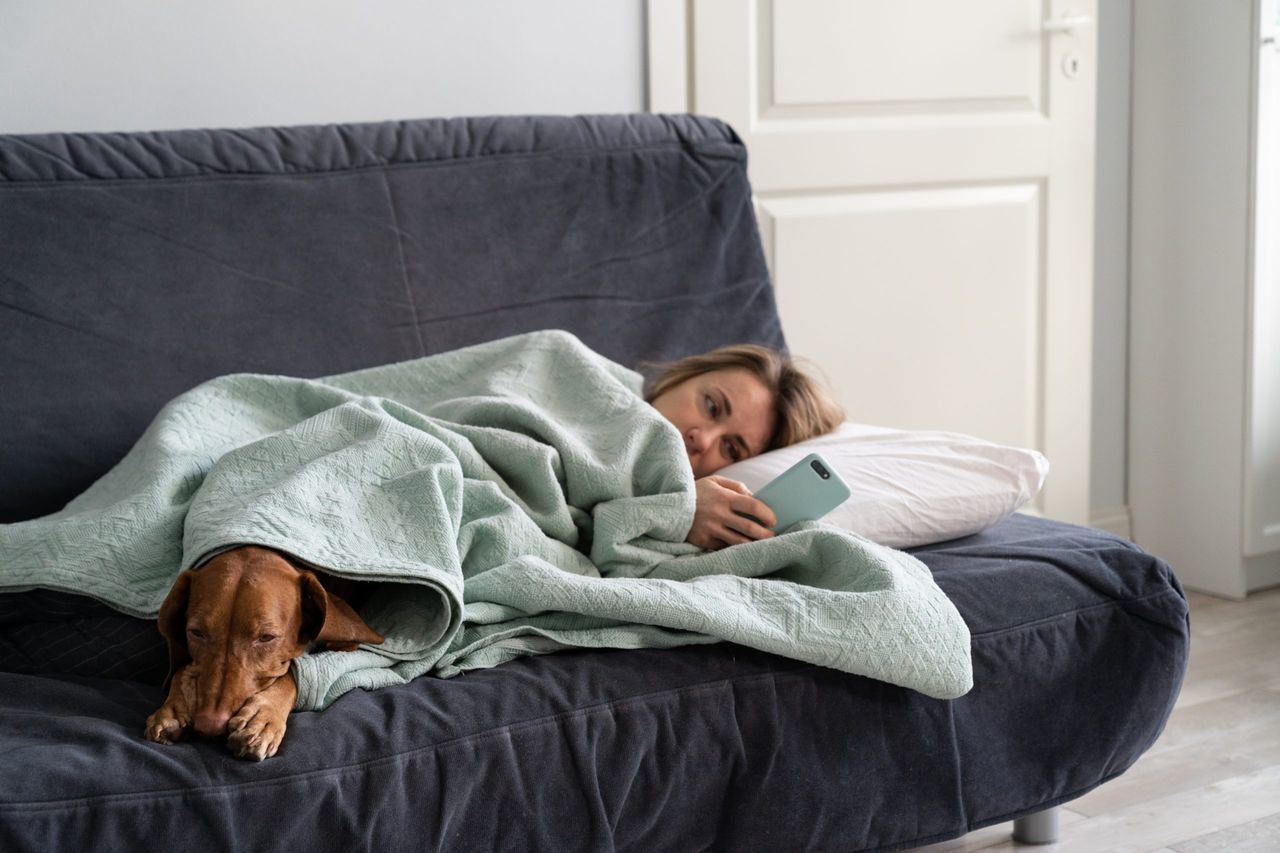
1114, 519
1262, 572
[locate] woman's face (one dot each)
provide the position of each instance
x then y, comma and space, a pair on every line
724, 416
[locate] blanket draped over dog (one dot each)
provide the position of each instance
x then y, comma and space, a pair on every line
519, 496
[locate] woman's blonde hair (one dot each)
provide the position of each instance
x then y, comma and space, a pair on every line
804, 408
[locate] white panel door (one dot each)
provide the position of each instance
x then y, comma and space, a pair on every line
924, 182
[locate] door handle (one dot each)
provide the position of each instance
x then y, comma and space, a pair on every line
1069, 22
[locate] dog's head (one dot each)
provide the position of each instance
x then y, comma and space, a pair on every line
240, 619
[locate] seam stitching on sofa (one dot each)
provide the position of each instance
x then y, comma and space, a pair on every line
393, 758
404, 268
472, 159
996, 632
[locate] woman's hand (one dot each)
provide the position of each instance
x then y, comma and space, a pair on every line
717, 521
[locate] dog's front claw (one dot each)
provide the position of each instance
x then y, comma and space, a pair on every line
166, 725
256, 747
257, 730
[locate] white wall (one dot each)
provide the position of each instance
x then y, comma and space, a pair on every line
82, 65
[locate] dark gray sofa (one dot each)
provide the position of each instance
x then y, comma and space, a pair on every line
133, 266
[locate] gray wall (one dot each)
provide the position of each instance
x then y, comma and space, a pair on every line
79, 65
1108, 489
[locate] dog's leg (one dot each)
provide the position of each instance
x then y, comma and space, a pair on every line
172, 721
258, 727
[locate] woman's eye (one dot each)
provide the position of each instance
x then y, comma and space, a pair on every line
731, 450
712, 407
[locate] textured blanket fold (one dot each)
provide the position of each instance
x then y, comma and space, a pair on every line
515, 497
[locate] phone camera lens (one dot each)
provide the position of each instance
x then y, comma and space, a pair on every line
822, 472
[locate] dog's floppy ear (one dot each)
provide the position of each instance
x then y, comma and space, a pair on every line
326, 618
172, 623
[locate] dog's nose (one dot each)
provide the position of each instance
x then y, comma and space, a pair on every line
210, 723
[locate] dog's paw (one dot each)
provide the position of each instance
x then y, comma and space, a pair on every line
256, 730
166, 725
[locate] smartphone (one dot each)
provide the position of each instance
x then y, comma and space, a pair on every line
806, 491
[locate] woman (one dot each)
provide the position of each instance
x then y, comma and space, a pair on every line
728, 404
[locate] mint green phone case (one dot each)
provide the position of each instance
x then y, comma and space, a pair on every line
806, 491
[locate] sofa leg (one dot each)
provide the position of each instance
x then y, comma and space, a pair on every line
1038, 828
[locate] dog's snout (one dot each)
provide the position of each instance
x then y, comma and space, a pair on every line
211, 723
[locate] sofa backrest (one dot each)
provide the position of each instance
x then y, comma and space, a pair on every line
134, 266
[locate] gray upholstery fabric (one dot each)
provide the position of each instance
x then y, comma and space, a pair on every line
133, 266
1080, 641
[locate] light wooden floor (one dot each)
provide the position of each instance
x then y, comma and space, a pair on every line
1211, 783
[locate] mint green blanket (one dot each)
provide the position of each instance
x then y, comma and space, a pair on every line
520, 497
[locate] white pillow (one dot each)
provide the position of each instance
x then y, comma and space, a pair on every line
911, 487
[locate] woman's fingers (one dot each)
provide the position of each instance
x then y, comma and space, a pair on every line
740, 488
725, 535
758, 510
702, 540
727, 514
729, 536
748, 518
746, 527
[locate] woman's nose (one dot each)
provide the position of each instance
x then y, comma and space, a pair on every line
697, 440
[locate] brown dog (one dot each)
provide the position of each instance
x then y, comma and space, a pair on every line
233, 626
